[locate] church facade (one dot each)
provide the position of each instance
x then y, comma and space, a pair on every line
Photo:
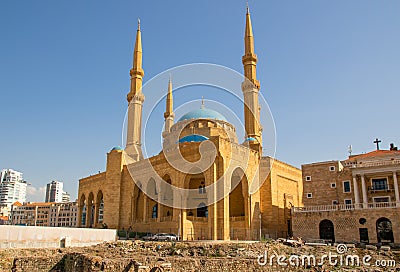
356, 199
239, 194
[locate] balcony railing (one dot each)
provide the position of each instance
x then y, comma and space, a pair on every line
378, 163
346, 207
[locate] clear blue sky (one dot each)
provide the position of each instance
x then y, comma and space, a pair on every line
330, 71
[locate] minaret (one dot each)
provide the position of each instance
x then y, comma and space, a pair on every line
251, 88
169, 109
135, 98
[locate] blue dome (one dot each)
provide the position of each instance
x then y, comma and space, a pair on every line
116, 148
250, 139
202, 113
193, 138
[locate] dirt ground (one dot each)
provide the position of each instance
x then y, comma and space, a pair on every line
258, 256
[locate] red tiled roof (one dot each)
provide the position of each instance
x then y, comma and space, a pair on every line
375, 153
5, 218
39, 204
18, 204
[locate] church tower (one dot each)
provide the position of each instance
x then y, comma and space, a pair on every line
169, 110
135, 99
250, 89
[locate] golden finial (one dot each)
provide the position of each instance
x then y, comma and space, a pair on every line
138, 23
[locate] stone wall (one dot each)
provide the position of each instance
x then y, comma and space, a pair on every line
52, 237
346, 223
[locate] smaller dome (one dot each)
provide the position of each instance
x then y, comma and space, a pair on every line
203, 113
116, 148
193, 138
250, 139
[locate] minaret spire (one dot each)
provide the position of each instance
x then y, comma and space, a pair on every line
250, 58
169, 110
251, 88
136, 72
169, 103
135, 98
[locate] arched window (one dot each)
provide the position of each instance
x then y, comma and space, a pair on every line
101, 211
384, 230
84, 215
154, 213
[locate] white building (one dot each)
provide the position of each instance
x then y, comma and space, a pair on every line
64, 214
66, 197
54, 191
12, 189
47, 214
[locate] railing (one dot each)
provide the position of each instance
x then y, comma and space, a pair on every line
344, 207
195, 218
166, 219
378, 205
236, 218
371, 164
377, 189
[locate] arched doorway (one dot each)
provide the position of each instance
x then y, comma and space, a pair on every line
100, 207
326, 230
384, 230
238, 191
197, 195
90, 210
152, 197
139, 203
82, 207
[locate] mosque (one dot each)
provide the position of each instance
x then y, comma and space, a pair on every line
204, 184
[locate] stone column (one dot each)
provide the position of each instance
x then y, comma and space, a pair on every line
145, 207
79, 219
356, 193
364, 192
159, 207
396, 188
96, 214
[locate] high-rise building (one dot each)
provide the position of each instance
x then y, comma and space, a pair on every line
12, 189
66, 197
54, 191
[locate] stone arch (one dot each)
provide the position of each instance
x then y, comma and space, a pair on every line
139, 202
196, 183
384, 230
151, 198
326, 230
82, 211
90, 211
99, 207
238, 195
167, 198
